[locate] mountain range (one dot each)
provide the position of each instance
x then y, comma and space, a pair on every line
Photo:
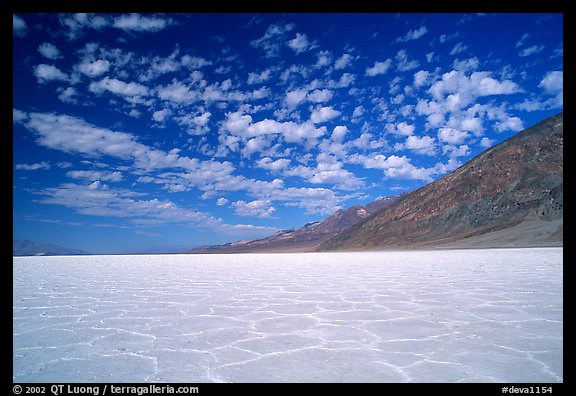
511, 195
24, 247
306, 238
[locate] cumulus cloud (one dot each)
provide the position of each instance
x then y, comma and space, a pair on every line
327, 171
268, 164
323, 114
513, 124
467, 87
320, 95
261, 209
414, 34
119, 87
343, 62
531, 50
553, 82
339, 133
259, 78
19, 27
49, 51
40, 165
295, 97
421, 77
242, 125
138, 23
95, 175
46, 73
270, 41
94, 68
300, 43
452, 135
425, 145
379, 68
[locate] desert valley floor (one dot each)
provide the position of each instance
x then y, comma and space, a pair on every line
490, 315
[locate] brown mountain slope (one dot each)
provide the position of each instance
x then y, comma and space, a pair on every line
306, 238
510, 195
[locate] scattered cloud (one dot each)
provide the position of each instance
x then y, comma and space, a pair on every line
47, 73
414, 34
261, 209
49, 51
31, 167
300, 43
379, 68
19, 27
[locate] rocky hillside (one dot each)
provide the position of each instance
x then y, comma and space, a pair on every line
510, 195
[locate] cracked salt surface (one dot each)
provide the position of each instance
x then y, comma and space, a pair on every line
491, 315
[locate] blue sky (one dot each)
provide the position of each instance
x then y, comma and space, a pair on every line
135, 131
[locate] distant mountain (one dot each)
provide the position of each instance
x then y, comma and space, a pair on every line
23, 247
510, 195
306, 238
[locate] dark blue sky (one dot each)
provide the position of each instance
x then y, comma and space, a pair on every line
132, 131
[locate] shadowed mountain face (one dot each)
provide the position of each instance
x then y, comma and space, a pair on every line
305, 238
510, 195
23, 247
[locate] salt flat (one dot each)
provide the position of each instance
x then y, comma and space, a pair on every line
491, 315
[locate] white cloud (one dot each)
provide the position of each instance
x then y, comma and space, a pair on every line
46, 73
403, 63
320, 95
270, 42
327, 171
379, 68
177, 92
19, 27
161, 115
40, 165
261, 209
421, 77
76, 23
455, 151
67, 95
323, 114
487, 142
295, 97
221, 201
513, 124
95, 175
255, 78
553, 82
413, 34
424, 145
191, 62
95, 68
300, 43
339, 133
49, 51
465, 65
458, 48
344, 61
531, 50
118, 87
452, 135
241, 125
401, 129
466, 88
324, 59
98, 199
138, 23
268, 164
